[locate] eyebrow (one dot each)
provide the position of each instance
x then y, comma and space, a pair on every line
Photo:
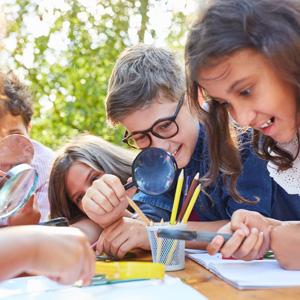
235, 84
75, 195
158, 120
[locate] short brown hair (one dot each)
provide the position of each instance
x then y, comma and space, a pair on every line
15, 98
142, 73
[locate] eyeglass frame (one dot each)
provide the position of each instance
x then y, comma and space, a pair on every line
150, 130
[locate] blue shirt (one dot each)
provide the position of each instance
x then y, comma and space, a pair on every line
253, 183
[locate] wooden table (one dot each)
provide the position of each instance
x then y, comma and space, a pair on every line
214, 288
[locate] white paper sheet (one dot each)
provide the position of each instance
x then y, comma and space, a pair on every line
248, 274
39, 287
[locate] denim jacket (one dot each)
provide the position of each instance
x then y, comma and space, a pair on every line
253, 183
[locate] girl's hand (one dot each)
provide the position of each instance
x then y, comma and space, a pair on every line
250, 239
122, 236
28, 215
61, 253
105, 201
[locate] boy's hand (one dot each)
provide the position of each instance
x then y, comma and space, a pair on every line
105, 201
250, 240
122, 236
61, 253
28, 215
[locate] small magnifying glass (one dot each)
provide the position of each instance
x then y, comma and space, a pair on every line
16, 188
153, 171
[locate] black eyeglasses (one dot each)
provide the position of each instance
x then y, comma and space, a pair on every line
164, 128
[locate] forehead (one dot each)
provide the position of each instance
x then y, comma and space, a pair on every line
245, 62
76, 176
9, 122
144, 118
77, 169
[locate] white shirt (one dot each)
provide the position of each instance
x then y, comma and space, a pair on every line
290, 178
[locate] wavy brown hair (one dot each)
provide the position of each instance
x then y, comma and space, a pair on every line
94, 152
271, 27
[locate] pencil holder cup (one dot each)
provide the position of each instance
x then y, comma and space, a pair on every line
169, 252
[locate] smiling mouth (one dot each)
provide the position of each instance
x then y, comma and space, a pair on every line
174, 153
267, 124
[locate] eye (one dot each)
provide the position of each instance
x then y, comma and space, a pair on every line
95, 177
225, 104
246, 92
79, 199
140, 138
163, 126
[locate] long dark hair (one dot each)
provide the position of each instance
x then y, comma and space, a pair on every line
93, 151
271, 27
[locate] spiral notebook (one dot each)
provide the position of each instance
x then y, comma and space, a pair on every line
256, 274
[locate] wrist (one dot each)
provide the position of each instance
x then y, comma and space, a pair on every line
274, 223
27, 241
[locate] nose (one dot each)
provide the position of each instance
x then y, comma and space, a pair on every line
242, 114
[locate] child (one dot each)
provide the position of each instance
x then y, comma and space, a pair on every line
17, 149
145, 94
245, 58
62, 254
16, 113
88, 162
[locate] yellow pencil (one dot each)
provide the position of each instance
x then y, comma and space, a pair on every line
191, 204
177, 197
171, 252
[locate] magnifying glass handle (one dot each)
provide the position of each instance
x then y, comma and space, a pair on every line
128, 185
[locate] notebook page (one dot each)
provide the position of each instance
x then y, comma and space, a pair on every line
248, 274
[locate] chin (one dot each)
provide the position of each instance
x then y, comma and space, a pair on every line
285, 137
182, 163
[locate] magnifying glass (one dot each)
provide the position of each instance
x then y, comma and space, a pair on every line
16, 188
153, 171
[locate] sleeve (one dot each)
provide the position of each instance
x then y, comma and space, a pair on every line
155, 207
43, 201
255, 185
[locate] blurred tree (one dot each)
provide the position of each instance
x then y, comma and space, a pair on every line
68, 57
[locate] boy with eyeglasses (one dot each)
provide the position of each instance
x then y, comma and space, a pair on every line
146, 96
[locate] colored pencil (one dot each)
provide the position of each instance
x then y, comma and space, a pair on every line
189, 195
177, 198
191, 204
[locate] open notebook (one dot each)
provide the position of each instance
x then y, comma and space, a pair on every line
39, 287
254, 274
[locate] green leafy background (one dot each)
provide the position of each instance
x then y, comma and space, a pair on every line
69, 65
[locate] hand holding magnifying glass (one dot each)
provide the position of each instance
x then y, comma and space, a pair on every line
153, 172
18, 179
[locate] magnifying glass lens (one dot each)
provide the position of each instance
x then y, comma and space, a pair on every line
19, 186
154, 171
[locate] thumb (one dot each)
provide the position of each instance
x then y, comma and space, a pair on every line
130, 192
29, 204
99, 247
